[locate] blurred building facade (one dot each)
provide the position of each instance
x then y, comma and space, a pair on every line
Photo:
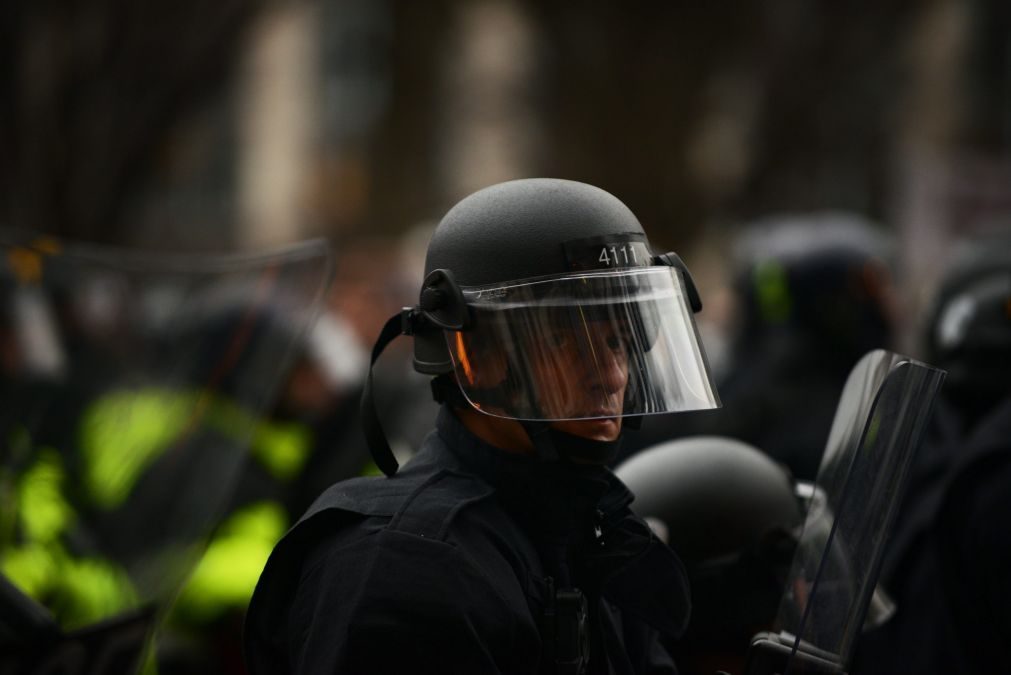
272, 121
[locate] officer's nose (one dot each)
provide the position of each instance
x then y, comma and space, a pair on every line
610, 370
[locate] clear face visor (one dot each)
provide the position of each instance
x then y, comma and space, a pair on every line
582, 346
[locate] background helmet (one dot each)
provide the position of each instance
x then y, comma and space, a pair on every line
817, 279
969, 329
732, 516
516, 269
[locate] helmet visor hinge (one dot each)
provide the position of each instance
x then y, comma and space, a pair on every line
442, 303
672, 259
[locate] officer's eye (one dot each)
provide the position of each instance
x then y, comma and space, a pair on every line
615, 343
559, 339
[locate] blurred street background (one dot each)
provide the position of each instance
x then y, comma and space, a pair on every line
247, 123
817, 165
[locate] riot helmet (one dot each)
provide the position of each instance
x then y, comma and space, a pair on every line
543, 302
968, 332
819, 279
733, 516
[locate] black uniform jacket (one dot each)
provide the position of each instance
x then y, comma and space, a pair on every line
448, 566
948, 567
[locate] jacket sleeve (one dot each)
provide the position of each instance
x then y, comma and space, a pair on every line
394, 602
974, 545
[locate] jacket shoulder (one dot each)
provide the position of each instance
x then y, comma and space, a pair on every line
426, 502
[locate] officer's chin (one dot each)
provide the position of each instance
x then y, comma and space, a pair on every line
605, 429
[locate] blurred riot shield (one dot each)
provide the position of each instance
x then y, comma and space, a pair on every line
878, 426
134, 388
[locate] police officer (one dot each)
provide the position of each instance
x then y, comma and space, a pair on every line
505, 545
947, 563
812, 295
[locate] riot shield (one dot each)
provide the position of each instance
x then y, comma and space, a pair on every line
134, 388
879, 424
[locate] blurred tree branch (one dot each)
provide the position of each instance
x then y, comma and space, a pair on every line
89, 93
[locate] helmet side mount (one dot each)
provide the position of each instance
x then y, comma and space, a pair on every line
442, 304
672, 259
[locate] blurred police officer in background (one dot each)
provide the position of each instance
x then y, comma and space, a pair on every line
291, 447
136, 387
505, 545
813, 294
947, 564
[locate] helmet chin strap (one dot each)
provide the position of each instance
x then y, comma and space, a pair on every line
378, 444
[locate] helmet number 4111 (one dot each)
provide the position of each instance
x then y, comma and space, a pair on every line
623, 255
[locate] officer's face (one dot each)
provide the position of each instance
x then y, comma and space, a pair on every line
586, 374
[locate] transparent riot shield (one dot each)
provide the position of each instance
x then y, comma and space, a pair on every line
134, 387
879, 425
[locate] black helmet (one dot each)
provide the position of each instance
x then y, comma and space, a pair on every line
733, 517
736, 519
716, 496
519, 273
969, 330
513, 267
821, 278
522, 229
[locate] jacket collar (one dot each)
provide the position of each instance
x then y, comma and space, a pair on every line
588, 506
581, 489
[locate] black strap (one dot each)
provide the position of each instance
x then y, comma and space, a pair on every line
564, 629
540, 436
371, 426
446, 390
